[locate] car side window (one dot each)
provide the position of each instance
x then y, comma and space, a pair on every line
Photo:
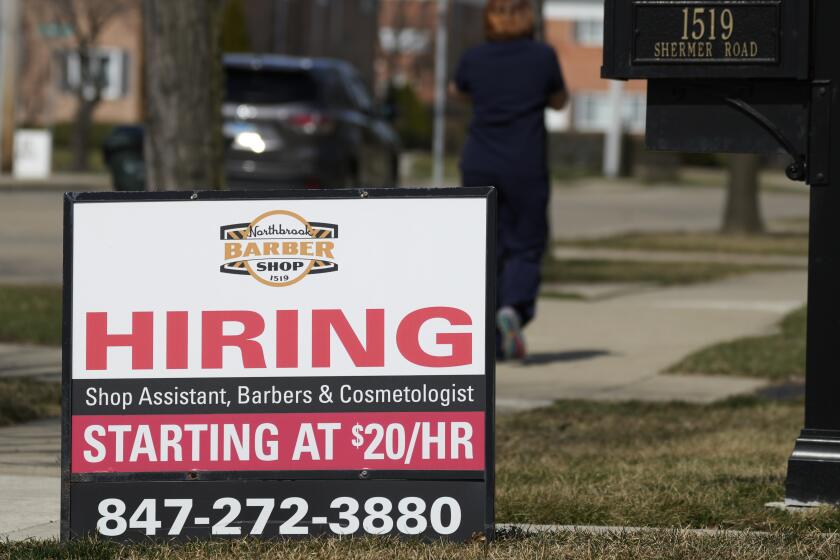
337, 94
361, 97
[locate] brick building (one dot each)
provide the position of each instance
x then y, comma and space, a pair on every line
573, 27
49, 68
576, 30
406, 52
388, 40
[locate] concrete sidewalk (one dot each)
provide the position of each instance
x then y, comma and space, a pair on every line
615, 349
30, 463
600, 254
58, 183
36, 362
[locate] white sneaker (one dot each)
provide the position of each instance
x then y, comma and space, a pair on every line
512, 342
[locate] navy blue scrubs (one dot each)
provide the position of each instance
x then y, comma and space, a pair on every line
509, 84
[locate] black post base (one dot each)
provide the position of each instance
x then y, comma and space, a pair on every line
813, 476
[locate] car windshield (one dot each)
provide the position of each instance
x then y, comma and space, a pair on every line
269, 86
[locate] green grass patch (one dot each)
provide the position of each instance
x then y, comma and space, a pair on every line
702, 175
559, 294
651, 465
30, 314
421, 167
778, 357
62, 161
657, 465
62, 142
563, 176
798, 225
788, 243
670, 544
660, 273
22, 400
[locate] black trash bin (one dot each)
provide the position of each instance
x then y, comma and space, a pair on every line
122, 150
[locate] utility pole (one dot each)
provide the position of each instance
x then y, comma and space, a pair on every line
612, 137
9, 39
440, 92
539, 21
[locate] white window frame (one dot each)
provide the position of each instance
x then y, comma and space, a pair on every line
586, 119
116, 79
589, 32
633, 111
408, 40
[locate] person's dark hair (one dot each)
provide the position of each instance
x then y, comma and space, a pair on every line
508, 19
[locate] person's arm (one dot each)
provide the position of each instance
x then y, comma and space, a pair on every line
557, 94
454, 91
459, 86
558, 100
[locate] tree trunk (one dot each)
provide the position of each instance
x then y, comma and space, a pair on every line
539, 23
743, 211
80, 142
183, 80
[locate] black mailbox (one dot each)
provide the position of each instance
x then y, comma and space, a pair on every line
756, 76
706, 39
724, 75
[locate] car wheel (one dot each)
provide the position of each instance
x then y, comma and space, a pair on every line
351, 176
395, 171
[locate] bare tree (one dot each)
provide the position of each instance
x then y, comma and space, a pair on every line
743, 211
182, 86
85, 19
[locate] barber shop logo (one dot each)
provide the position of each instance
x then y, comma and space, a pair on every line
279, 248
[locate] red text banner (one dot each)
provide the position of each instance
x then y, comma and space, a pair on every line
448, 441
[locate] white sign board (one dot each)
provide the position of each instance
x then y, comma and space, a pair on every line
333, 347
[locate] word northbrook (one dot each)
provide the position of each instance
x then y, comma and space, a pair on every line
216, 326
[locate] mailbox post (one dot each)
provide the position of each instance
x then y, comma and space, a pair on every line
814, 466
756, 76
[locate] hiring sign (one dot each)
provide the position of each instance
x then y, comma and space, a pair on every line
274, 365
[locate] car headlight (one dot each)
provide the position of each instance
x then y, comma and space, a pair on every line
252, 141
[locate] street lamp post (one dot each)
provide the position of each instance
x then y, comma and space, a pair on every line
440, 92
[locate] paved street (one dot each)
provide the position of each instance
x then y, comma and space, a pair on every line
31, 222
33, 219
30, 227
596, 207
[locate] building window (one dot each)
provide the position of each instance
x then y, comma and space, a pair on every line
114, 67
406, 41
592, 112
589, 32
634, 112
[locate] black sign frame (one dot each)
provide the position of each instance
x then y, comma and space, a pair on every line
487, 476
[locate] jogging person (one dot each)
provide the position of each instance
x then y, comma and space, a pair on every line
510, 80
